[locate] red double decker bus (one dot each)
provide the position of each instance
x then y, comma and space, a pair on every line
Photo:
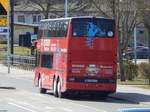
77, 54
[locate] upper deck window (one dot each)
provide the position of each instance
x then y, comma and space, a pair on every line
93, 27
56, 28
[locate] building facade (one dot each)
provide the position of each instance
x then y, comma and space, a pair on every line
32, 16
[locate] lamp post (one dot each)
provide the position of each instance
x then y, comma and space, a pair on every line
12, 27
135, 42
66, 8
8, 36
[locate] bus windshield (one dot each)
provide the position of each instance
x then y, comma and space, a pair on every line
93, 27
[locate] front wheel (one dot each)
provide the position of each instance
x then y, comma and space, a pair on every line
41, 90
55, 88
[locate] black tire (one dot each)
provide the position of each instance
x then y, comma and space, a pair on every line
60, 93
55, 88
41, 90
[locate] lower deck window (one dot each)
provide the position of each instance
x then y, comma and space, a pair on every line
47, 60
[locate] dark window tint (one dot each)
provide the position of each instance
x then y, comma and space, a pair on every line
93, 27
34, 19
47, 60
39, 18
37, 61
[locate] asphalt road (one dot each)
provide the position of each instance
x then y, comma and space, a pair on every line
18, 94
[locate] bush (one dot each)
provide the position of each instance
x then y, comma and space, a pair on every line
131, 70
145, 71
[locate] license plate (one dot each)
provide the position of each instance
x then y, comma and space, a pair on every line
91, 80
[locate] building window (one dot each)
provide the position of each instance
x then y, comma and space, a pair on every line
21, 19
52, 16
34, 19
39, 18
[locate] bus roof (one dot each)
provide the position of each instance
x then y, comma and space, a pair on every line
44, 20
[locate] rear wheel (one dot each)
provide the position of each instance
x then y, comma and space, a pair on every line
41, 90
60, 93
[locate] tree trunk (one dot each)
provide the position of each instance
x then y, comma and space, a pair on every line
121, 64
47, 9
46, 15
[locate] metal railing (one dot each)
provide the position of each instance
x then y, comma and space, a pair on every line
24, 62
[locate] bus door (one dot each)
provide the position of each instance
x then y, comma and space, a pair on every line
47, 69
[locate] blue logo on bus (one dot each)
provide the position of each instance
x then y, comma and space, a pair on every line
92, 30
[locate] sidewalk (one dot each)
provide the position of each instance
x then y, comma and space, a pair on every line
133, 94
6, 81
15, 71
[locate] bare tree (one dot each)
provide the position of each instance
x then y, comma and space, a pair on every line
44, 6
55, 6
124, 11
77, 6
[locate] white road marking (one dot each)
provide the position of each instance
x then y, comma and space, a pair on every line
22, 107
22, 103
18, 102
60, 101
84, 106
50, 108
22, 78
66, 109
61, 108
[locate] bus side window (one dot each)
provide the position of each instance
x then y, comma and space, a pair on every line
37, 60
47, 61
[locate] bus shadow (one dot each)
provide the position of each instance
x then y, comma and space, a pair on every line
136, 98
122, 98
119, 97
89, 98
